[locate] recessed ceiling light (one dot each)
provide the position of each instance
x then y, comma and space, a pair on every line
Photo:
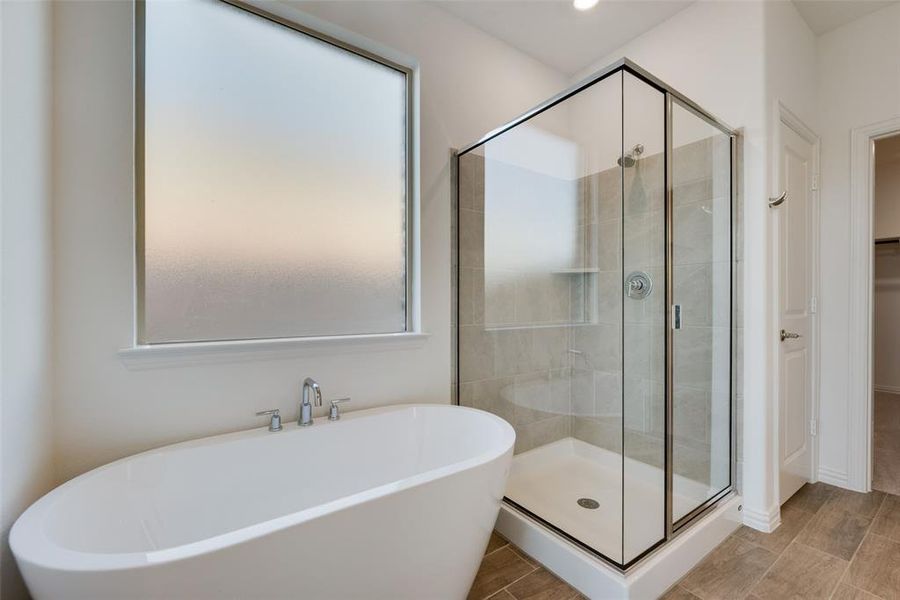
584, 4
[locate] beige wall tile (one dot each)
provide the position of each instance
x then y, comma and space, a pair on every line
602, 432
513, 352
546, 431
691, 415
550, 347
496, 396
582, 389
691, 162
499, 303
476, 353
471, 239
608, 393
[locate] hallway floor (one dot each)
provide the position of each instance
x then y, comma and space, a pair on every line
886, 446
832, 544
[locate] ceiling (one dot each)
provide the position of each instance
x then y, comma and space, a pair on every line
558, 35
824, 15
569, 40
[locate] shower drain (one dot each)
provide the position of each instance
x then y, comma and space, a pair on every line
588, 503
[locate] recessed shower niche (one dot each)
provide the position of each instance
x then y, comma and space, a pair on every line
595, 309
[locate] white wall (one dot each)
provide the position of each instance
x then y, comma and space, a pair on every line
857, 86
26, 466
104, 410
716, 53
790, 49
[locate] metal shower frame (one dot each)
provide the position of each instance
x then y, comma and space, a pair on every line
672, 97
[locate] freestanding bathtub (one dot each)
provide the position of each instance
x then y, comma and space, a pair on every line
395, 502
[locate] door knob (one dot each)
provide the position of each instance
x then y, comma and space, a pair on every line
788, 335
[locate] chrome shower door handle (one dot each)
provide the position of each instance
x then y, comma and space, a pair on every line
773, 202
788, 335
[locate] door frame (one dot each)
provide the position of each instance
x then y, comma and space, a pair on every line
860, 409
788, 118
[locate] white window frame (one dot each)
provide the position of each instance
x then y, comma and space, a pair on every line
141, 355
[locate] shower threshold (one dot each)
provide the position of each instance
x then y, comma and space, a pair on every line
549, 482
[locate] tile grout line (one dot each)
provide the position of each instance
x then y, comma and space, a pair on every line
754, 544
537, 568
512, 583
793, 539
783, 550
774, 562
505, 588
495, 550
855, 551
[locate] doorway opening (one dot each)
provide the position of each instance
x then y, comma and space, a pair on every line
886, 315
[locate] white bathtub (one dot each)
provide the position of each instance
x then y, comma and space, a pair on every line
396, 502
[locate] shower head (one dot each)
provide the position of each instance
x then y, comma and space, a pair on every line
630, 159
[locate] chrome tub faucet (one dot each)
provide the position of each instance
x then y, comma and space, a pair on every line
306, 418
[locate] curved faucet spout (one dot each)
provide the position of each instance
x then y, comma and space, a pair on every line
305, 407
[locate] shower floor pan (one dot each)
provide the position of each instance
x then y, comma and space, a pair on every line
551, 480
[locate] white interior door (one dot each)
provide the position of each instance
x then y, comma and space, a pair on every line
795, 291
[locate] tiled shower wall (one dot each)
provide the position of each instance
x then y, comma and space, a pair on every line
515, 329
546, 351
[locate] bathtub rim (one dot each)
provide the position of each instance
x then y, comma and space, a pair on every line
30, 544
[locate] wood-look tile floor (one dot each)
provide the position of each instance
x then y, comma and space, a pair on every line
886, 443
832, 544
507, 573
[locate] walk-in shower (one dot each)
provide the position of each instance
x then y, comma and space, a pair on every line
595, 308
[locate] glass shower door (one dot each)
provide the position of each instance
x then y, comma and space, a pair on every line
540, 307
701, 162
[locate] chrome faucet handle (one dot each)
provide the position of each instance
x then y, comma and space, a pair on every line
334, 413
275, 422
306, 418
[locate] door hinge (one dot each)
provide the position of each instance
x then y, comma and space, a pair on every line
813, 305
813, 428
815, 182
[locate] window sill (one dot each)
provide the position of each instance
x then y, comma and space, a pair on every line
201, 353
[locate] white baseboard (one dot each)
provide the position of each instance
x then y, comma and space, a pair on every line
832, 477
888, 389
765, 521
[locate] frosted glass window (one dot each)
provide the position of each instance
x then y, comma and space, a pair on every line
274, 178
